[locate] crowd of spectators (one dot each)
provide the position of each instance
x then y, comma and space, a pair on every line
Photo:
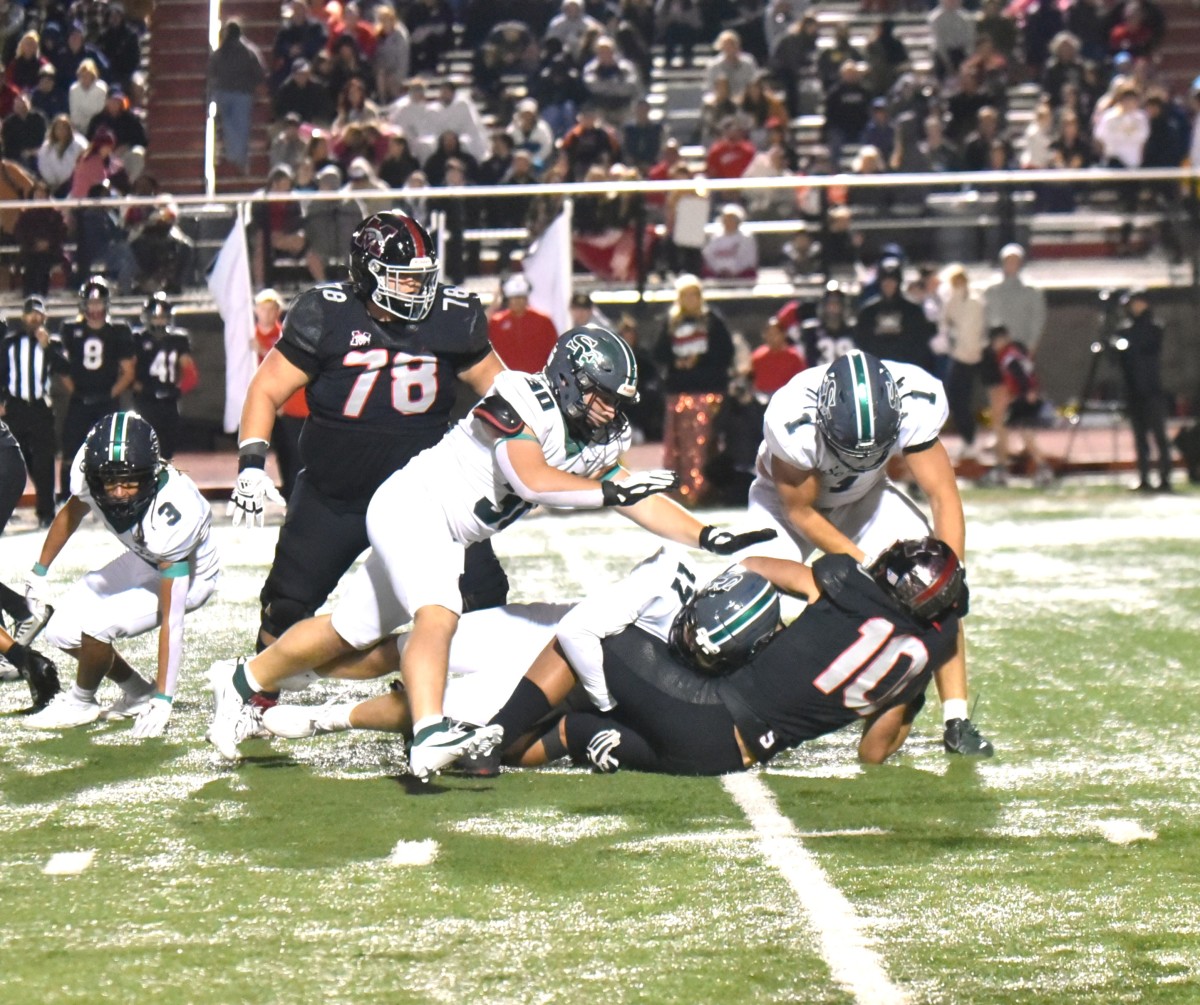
558, 91
72, 109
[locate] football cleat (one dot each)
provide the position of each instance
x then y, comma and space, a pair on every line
127, 706
234, 720
436, 747
962, 737
8, 672
42, 676
478, 765
64, 712
28, 629
295, 722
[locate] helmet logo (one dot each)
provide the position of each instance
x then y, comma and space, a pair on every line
585, 351
373, 238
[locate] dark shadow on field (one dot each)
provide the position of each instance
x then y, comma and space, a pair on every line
927, 812
105, 765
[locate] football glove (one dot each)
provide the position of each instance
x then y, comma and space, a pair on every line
254, 489
37, 595
722, 542
637, 487
152, 720
600, 751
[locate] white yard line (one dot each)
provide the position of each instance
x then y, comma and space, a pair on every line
855, 966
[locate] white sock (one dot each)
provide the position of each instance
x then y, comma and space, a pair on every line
426, 721
954, 708
251, 679
79, 694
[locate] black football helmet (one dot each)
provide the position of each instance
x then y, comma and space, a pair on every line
591, 359
858, 410
726, 622
122, 447
924, 576
95, 288
158, 311
387, 249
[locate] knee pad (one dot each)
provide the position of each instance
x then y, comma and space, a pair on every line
280, 613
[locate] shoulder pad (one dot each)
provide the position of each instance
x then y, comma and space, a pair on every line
499, 414
304, 324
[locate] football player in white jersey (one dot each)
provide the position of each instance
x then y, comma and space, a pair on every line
649, 597
170, 567
821, 482
537, 439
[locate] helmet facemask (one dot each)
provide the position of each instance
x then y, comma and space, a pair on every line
390, 283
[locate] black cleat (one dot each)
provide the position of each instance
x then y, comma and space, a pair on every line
478, 765
42, 676
961, 737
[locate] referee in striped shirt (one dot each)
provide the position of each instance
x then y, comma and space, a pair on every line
25, 367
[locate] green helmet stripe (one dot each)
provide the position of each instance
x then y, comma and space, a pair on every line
864, 405
745, 617
116, 448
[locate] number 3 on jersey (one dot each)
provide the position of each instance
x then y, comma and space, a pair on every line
414, 381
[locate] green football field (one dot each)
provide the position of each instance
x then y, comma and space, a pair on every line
1066, 869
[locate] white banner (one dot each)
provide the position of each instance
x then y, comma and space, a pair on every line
229, 283
548, 269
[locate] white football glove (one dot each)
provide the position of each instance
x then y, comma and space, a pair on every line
152, 720
638, 486
37, 591
600, 751
254, 489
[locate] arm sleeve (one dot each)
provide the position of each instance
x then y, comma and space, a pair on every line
172, 624
585, 498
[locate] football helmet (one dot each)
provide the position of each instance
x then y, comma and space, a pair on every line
122, 447
924, 576
95, 288
388, 251
586, 360
158, 311
726, 622
858, 410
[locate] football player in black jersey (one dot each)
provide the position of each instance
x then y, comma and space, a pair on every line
101, 358
164, 367
864, 649
382, 358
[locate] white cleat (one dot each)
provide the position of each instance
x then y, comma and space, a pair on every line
436, 747
64, 712
234, 720
295, 722
127, 706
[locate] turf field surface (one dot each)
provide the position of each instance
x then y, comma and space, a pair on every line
1061, 871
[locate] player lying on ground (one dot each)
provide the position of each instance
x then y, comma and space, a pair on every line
170, 567
543, 439
647, 650
821, 482
864, 649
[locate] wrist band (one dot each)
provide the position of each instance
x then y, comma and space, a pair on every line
252, 453
39, 569
165, 697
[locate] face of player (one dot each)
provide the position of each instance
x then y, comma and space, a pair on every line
601, 407
121, 491
95, 312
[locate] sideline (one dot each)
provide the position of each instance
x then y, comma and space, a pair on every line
854, 965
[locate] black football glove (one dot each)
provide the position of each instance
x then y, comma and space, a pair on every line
638, 486
722, 542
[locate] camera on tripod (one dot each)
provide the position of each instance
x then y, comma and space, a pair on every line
1112, 313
